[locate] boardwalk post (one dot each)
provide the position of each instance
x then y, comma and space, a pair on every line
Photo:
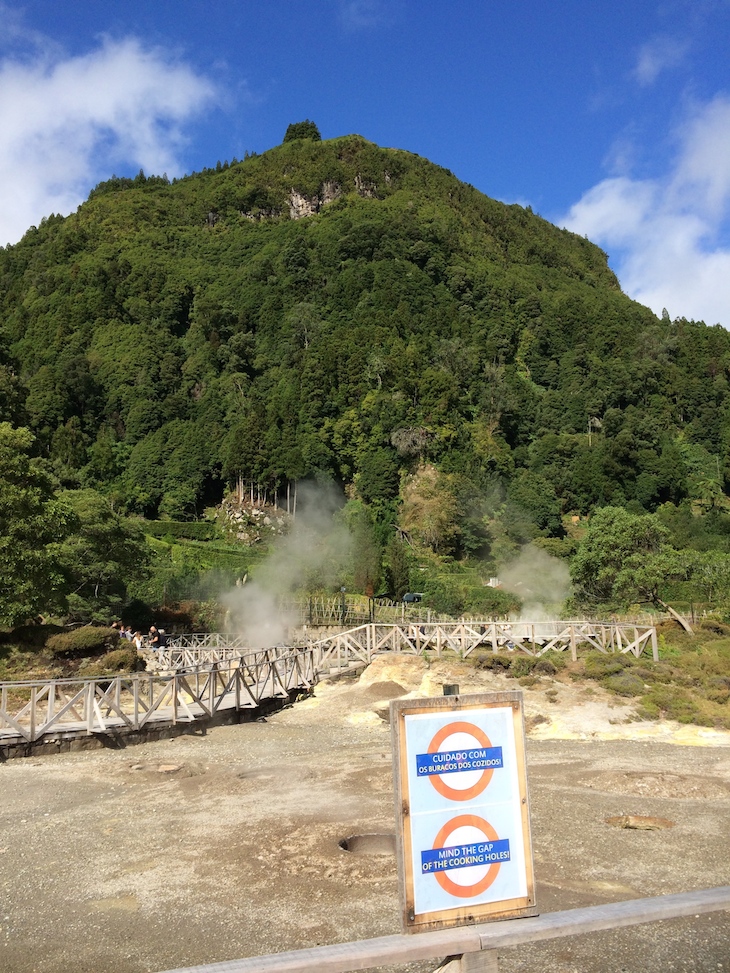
175, 686
573, 646
654, 645
135, 704
32, 713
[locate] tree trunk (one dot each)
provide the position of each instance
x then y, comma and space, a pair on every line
680, 619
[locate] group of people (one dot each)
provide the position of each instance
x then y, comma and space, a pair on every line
155, 640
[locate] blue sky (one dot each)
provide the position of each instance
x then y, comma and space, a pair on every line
611, 118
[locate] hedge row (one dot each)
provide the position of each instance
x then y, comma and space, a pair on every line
189, 530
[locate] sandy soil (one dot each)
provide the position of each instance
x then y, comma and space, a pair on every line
210, 847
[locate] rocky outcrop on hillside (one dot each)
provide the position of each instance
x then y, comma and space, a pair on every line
300, 206
253, 524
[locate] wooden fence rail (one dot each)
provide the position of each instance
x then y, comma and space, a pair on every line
358, 645
208, 673
476, 945
32, 710
463, 638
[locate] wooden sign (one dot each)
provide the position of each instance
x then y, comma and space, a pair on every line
462, 812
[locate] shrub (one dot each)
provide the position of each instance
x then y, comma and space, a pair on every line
624, 684
494, 661
653, 672
545, 666
454, 595
718, 694
522, 665
444, 598
489, 602
598, 666
559, 659
170, 530
89, 640
118, 660
671, 703
715, 626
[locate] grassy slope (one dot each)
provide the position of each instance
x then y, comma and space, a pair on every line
690, 683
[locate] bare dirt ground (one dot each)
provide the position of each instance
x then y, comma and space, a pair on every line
210, 847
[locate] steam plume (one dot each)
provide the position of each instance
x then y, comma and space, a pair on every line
314, 554
540, 580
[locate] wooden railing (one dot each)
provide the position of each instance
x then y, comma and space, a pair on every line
359, 645
355, 610
475, 946
30, 711
207, 673
187, 656
463, 638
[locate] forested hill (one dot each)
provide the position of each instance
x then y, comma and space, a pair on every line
337, 308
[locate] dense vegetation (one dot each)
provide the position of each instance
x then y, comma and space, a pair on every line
466, 372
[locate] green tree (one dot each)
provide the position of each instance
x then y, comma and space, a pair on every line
302, 130
101, 555
31, 520
624, 557
377, 476
710, 573
366, 552
397, 570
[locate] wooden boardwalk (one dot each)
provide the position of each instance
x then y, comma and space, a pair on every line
67, 708
360, 644
465, 637
205, 675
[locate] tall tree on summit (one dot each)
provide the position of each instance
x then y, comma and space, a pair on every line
302, 130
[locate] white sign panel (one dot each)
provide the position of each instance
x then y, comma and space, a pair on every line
464, 837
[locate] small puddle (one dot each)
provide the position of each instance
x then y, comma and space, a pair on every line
377, 843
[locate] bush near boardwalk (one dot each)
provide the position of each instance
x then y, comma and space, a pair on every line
88, 640
112, 663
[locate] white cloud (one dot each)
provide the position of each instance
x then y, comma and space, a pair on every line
703, 169
667, 236
362, 14
658, 55
66, 123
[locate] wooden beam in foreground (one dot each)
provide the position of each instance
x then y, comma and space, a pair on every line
388, 950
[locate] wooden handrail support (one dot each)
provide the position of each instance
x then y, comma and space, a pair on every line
476, 944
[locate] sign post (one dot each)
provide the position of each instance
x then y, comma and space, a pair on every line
462, 813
